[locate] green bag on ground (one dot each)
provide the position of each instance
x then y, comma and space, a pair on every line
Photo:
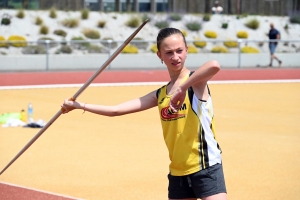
6, 116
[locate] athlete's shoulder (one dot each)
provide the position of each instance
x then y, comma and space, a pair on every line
158, 91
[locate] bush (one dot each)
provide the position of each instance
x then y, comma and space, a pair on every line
199, 43
145, 17
184, 33
242, 34
260, 44
45, 38
193, 26
248, 49
139, 43
106, 44
6, 19
64, 49
192, 49
253, 24
133, 22
231, 44
206, 17
3, 42
34, 50
101, 24
219, 49
162, 24
85, 13
60, 33
211, 34
70, 23
44, 30
96, 49
295, 19
20, 14
63, 42
154, 48
175, 17
17, 41
81, 45
225, 25
42, 42
244, 15
92, 34
38, 21
52, 13
130, 49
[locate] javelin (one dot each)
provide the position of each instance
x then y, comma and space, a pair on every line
86, 84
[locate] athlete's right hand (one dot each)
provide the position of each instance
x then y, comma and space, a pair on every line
177, 99
69, 105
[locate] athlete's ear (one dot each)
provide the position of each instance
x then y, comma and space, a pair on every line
158, 54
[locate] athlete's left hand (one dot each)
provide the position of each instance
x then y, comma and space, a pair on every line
177, 99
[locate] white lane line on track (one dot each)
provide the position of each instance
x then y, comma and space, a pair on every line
141, 84
41, 191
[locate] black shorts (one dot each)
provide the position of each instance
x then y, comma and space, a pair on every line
204, 183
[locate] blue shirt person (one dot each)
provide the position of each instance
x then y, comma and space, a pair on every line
274, 34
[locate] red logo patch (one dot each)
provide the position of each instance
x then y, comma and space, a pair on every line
168, 115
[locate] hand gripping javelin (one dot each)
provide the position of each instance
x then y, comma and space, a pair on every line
86, 84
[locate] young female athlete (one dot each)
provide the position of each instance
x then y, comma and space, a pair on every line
187, 118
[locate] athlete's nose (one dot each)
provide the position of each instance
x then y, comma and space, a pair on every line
175, 57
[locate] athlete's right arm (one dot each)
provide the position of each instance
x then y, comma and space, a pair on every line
135, 105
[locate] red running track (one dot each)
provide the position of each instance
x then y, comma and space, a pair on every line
14, 192
78, 77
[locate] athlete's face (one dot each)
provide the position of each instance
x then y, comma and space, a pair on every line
173, 51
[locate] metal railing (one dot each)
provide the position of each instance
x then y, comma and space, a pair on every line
82, 49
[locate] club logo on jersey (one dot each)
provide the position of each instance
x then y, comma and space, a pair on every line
168, 115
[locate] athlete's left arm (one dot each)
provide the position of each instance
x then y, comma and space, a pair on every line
198, 80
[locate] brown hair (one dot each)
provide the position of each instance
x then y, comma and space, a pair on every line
166, 32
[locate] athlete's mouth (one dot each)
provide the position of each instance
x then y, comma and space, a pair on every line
176, 63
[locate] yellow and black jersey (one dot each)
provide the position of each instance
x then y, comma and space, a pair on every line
189, 134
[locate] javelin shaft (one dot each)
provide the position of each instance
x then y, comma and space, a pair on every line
33, 140
110, 59
86, 84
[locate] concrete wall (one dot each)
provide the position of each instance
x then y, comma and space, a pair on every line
140, 61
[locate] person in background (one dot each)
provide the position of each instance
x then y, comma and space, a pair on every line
274, 34
217, 9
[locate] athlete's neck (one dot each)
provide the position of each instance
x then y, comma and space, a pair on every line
178, 75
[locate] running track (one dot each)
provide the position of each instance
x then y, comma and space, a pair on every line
14, 192
78, 77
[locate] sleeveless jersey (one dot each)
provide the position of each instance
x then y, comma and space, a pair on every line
189, 134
